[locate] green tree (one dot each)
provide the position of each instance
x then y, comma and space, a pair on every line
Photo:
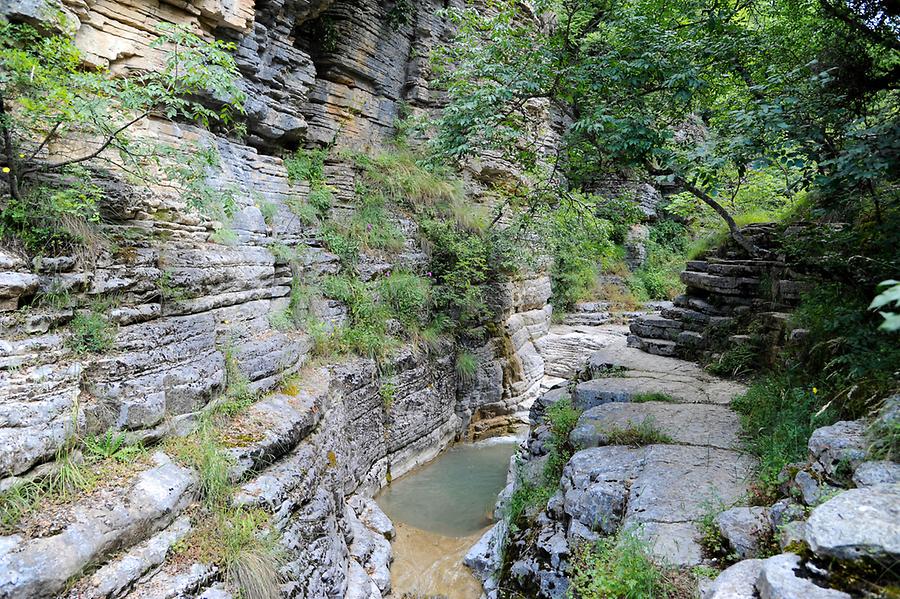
694, 93
59, 122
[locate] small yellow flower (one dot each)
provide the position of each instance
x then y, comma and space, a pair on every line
5, 169
21, 155
815, 390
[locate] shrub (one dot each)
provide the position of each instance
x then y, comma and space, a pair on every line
306, 165
91, 333
622, 567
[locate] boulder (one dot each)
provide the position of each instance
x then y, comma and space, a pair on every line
744, 528
736, 582
876, 473
782, 577
858, 523
841, 446
600, 507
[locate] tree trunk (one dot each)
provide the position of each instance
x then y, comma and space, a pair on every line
721, 211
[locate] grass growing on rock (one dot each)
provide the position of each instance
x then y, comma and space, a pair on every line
621, 567
638, 435
654, 396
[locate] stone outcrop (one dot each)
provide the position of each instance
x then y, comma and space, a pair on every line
658, 489
845, 543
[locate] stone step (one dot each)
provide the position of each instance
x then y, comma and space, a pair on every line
690, 302
588, 319
657, 327
657, 347
705, 425
740, 286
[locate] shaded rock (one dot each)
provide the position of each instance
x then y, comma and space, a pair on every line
782, 577
744, 527
736, 582
837, 449
600, 507
858, 523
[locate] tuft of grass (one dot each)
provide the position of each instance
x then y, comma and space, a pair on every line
735, 361
466, 367
527, 500
407, 295
622, 567
224, 236
251, 554
406, 181
18, 501
883, 436
238, 395
91, 333
655, 396
340, 242
562, 417
202, 451
638, 435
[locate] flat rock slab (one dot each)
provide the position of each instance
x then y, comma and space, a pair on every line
858, 523
683, 380
41, 567
667, 488
702, 425
736, 582
782, 577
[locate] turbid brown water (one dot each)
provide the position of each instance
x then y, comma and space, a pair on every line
440, 511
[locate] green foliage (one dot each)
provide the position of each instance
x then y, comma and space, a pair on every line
50, 102
238, 395
304, 210
743, 106
372, 226
343, 244
321, 198
782, 415
170, 291
619, 567
525, 501
306, 165
403, 180
387, 391
250, 553
91, 332
621, 212
883, 436
562, 417
847, 357
269, 211
889, 299
224, 236
407, 295
578, 241
466, 367
654, 396
112, 446
659, 278
202, 451
53, 220
638, 435
738, 360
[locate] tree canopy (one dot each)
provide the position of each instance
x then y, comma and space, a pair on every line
700, 95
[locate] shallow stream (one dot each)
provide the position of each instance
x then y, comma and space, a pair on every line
440, 510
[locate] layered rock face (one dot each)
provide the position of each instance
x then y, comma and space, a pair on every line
186, 311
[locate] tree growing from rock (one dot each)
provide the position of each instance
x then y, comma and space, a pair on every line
61, 123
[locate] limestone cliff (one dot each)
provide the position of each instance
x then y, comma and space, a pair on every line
186, 309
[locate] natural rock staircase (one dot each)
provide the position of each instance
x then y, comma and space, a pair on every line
722, 286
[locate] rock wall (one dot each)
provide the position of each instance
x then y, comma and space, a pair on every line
186, 309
